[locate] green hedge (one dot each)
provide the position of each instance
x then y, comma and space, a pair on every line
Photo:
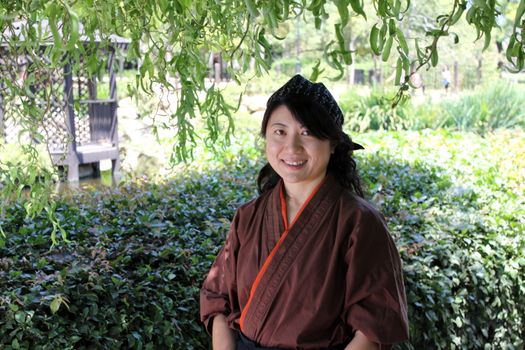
138, 254
130, 276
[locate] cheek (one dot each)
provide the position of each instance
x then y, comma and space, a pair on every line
323, 153
271, 147
269, 152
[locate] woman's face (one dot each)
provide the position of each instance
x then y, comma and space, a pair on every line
295, 154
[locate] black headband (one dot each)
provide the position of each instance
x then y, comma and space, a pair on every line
299, 85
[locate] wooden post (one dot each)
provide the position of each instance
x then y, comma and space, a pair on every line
115, 163
71, 156
112, 75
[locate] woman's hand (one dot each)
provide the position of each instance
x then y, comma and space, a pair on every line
222, 336
361, 342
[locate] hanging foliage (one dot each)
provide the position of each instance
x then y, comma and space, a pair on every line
172, 42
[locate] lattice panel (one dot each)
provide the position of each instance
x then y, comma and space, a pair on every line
55, 129
93, 119
82, 128
12, 130
54, 118
11, 66
53, 124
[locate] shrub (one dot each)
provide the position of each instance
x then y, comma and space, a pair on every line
464, 272
130, 276
374, 112
499, 105
495, 106
138, 254
457, 210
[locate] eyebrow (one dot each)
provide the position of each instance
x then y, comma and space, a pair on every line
285, 125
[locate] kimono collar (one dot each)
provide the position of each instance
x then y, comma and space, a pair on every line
327, 185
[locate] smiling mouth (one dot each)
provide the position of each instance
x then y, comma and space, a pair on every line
295, 164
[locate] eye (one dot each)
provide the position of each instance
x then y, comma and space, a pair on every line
278, 132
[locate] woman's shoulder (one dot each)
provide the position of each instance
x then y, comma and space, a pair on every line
352, 203
254, 205
358, 215
364, 225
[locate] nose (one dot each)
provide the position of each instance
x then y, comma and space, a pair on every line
294, 143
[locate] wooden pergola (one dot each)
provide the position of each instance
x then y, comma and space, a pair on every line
79, 125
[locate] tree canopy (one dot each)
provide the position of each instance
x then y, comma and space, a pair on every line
172, 40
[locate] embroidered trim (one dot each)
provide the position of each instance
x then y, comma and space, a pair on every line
270, 257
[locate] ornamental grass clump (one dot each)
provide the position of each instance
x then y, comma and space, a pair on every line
497, 106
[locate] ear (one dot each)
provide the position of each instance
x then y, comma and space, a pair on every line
332, 148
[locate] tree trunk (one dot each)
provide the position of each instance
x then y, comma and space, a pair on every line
374, 79
298, 46
480, 74
456, 76
350, 69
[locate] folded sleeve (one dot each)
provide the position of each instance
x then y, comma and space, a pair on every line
375, 301
218, 294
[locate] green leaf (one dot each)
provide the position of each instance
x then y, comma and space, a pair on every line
271, 18
186, 4
374, 40
342, 7
387, 48
55, 304
52, 12
252, 8
470, 14
74, 28
456, 16
317, 23
397, 8
392, 27
420, 53
456, 38
382, 8
520, 58
406, 64
340, 37
357, 7
316, 71
487, 40
399, 69
401, 39
434, 57
345, 54
509, 53
20, 317
519, 14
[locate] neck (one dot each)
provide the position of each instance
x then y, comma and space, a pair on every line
298, 193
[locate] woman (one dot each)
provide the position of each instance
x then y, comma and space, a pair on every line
308, 264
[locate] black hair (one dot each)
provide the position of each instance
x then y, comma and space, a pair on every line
315, 118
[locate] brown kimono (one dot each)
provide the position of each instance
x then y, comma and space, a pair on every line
313, 283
